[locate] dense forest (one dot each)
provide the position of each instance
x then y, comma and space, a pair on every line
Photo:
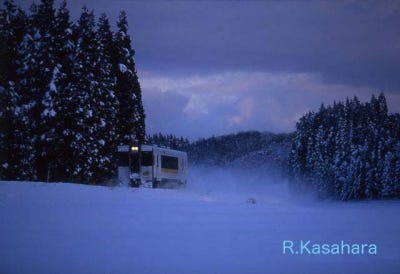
69, 94
348, 151
264, 153
226, 149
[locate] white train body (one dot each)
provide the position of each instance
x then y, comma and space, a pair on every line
154, 166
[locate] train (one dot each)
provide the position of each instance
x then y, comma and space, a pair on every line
152, 166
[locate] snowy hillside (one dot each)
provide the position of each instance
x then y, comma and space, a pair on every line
222, 222
272, 159
245, 149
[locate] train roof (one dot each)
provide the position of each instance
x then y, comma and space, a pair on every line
160, 148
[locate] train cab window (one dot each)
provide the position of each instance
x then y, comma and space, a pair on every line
123, 158
134, 162
147, 158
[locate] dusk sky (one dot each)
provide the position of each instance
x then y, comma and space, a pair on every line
217, 67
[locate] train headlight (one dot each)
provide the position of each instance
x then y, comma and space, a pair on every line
133, 148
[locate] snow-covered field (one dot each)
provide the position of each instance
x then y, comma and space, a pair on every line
210, 227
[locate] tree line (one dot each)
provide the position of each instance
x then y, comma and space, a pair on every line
69, 94
223, 150
168, 140
348, 151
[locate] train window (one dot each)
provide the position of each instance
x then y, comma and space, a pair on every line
134, 162
123, 158
169, 162
147, 158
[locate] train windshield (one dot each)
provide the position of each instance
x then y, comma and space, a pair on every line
135, 162
147, 158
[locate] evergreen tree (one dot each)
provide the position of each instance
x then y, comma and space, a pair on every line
130, 117
389, 173
43, 113
83, 88
342, 156
106, 103
61, 167
35, 71
9, 116
13, 25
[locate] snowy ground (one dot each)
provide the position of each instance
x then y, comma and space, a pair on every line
209, 227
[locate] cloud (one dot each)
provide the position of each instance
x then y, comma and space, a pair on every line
245, 111
352, 43
163, 110
355, 43
200, 106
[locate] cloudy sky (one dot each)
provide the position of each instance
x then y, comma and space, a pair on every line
216, 67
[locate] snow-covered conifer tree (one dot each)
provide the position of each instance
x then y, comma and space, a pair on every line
13, 24
35, 60
61, 167
84, 82
131, 116
105, 106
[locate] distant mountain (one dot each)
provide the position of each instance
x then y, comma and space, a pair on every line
272, 159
